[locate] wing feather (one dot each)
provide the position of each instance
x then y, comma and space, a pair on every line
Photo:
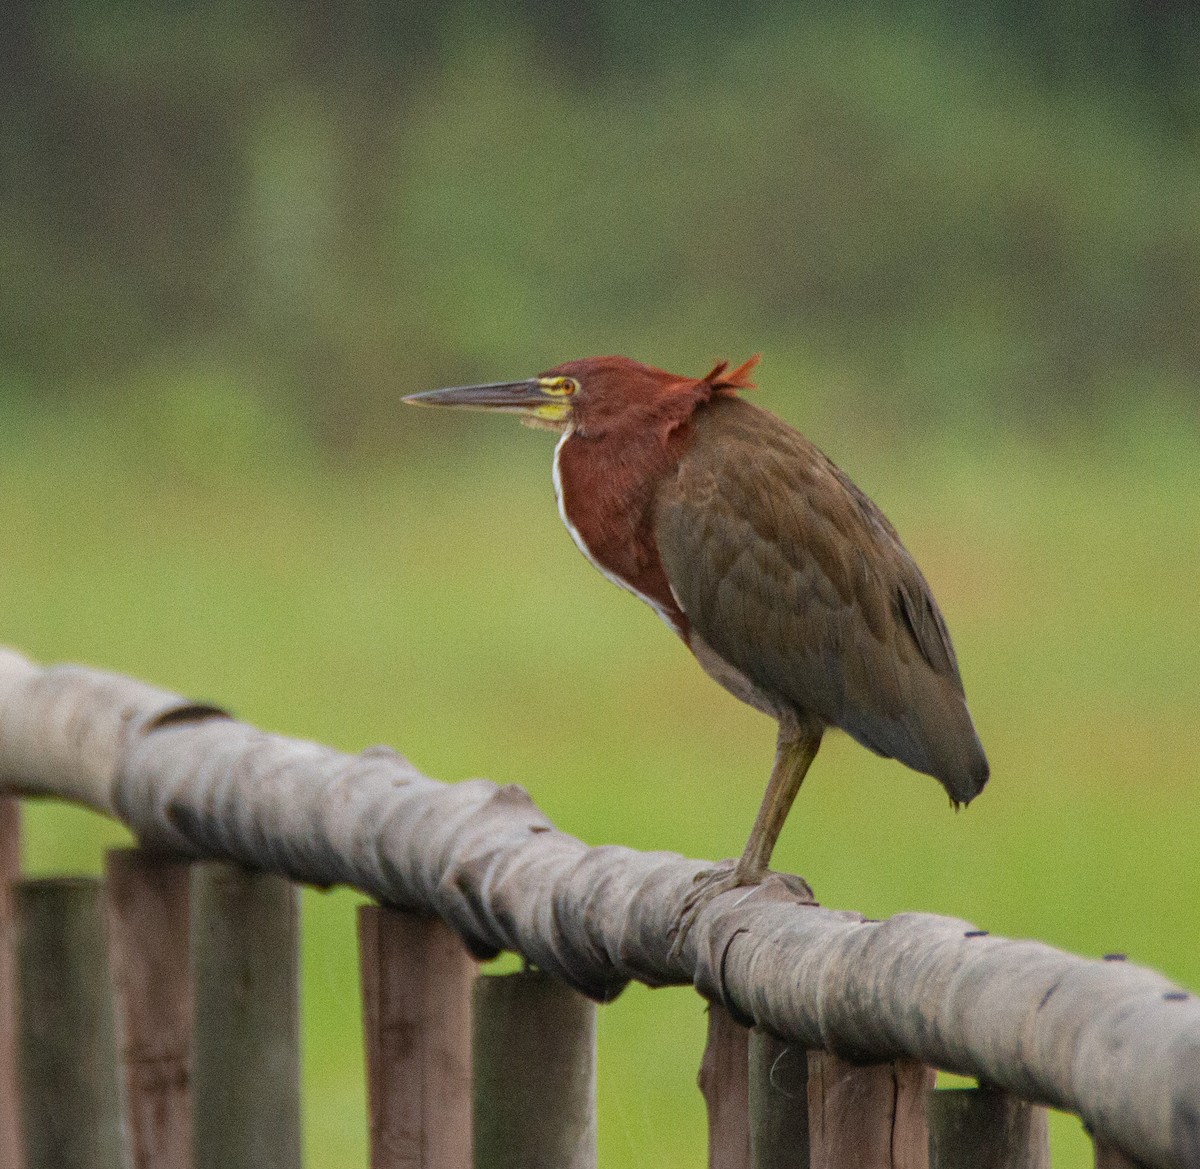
795, 578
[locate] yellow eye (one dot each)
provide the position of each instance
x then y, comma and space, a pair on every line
561, 387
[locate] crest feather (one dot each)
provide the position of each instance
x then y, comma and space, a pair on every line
734, 380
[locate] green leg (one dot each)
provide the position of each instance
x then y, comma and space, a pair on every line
793, 756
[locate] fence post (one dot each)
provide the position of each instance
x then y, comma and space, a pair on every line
246, 1048
70, 1091
535, 1074
724, 1084
1110, 1157
982, 1128
778, 1103
11, 1152
416, 983
148, 941
868, 1116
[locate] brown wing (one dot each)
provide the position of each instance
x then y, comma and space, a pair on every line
793, 576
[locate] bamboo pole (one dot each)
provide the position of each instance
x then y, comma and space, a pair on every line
867, 1117
416, 981
724, 1084
70, 1091
148, 942
11, 1151
981, 1128
778, 1103
246, 1049
535, 1074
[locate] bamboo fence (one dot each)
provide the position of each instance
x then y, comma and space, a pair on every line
165, 995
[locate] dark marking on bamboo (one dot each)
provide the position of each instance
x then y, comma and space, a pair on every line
11, 1151
416, 981
867, 1117
192, 712
724, 1081
70, 1094
246, 1049
981, 1128
535, 1074
148, 915
778, 1103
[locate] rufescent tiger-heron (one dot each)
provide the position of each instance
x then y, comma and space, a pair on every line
786, 582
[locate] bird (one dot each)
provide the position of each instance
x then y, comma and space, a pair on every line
784, 580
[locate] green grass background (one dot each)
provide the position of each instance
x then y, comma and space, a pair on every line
433, 602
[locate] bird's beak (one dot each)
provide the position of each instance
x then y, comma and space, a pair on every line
545, 398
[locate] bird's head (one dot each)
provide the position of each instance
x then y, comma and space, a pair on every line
593, 395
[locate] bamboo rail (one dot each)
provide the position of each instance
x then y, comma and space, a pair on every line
1115, 1043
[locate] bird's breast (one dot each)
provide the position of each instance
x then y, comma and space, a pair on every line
605, 498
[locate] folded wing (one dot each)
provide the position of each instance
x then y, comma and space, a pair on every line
794, 577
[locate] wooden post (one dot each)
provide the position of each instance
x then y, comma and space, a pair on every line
778, 1103
416, 982
982, 1128
246, 1045
1110, 1157
869, 1117
724, 1084
148, 943
70, 1092
11, 1152
535, 1074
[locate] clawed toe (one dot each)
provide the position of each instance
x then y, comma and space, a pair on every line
707, 884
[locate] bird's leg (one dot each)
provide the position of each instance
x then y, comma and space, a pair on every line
794, 753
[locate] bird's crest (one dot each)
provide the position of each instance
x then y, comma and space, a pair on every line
736, 379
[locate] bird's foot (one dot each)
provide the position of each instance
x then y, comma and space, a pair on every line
707, 885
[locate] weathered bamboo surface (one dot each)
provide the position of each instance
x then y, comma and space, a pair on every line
1118, 1044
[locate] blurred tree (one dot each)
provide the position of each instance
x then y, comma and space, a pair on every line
989, 212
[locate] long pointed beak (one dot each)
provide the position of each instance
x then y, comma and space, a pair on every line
517, 397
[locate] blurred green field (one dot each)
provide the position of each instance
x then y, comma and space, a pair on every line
434, 603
